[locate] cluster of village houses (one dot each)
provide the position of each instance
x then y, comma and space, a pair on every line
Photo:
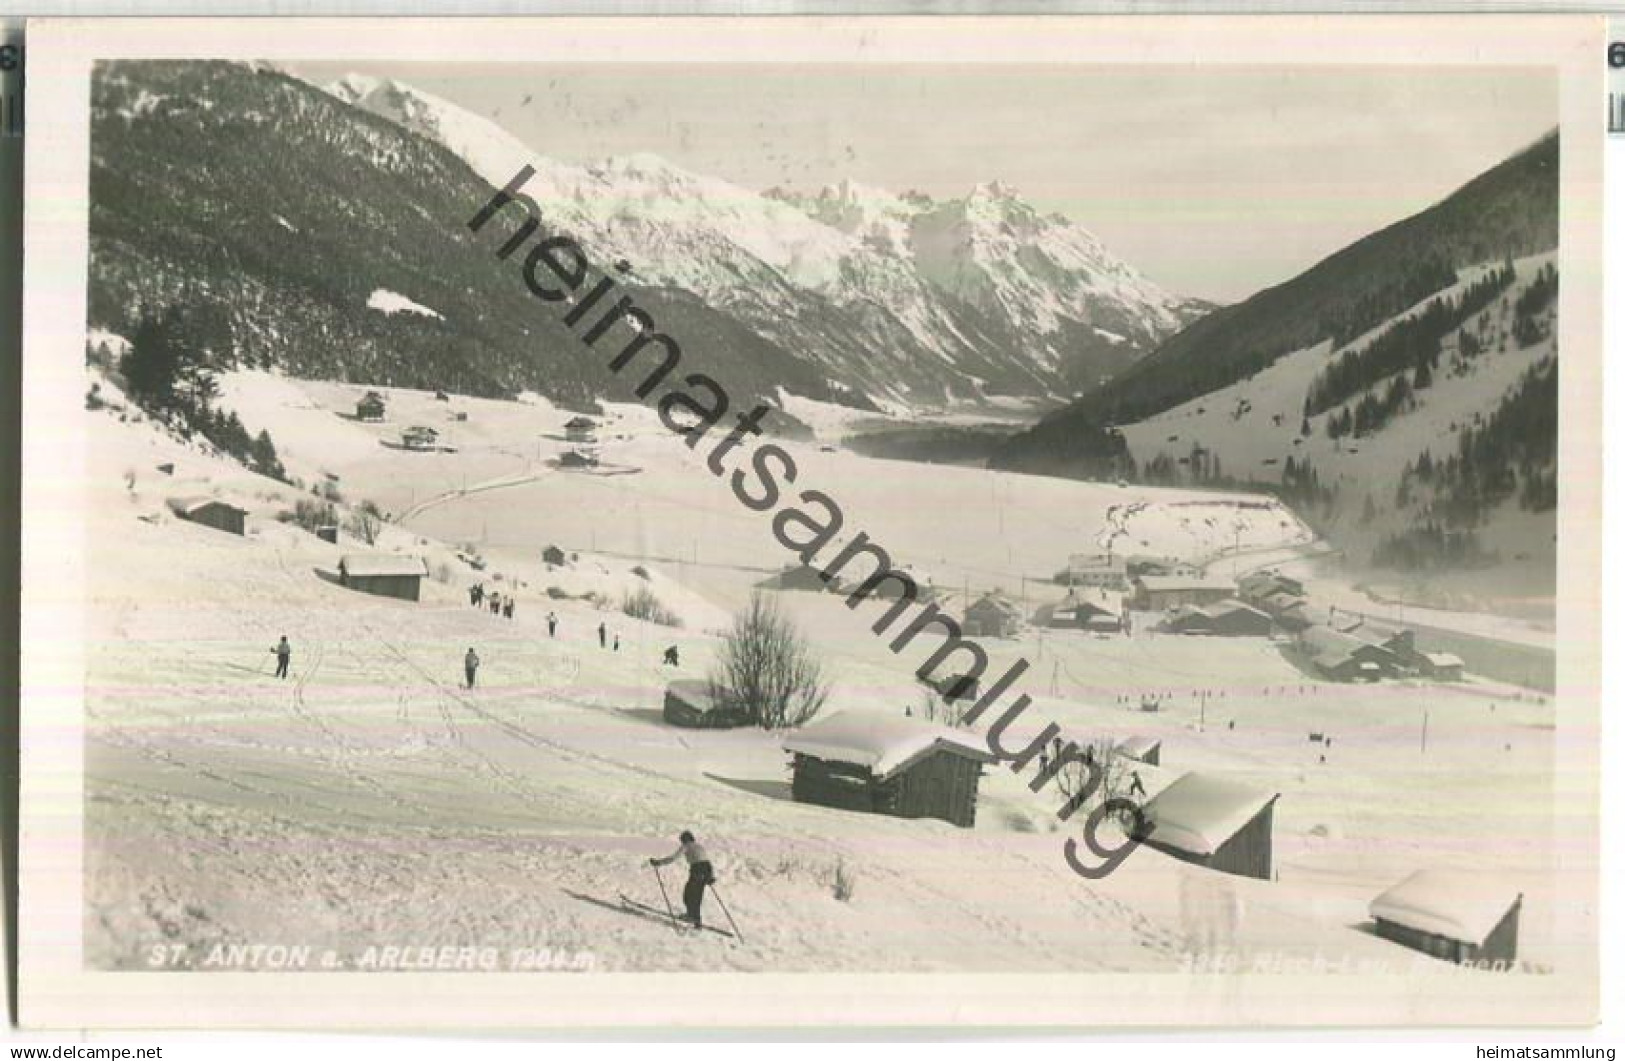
911, 768
581, 431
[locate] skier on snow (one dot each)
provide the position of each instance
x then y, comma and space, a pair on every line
471, 664
284, 653
699, 873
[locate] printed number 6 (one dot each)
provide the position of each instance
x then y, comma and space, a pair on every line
1616, 54
11, 57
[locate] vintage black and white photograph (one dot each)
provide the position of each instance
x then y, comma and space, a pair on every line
783, 514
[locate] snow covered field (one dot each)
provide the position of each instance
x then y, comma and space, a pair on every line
369, 800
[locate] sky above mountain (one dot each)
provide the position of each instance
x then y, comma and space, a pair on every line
1216, 182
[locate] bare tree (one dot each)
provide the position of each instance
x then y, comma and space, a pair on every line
767, 669
365, 522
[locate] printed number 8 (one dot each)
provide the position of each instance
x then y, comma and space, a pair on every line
1616, 54
11, 57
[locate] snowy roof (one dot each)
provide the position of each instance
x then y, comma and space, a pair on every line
187, 506
369, 564
1443, 659
695, 692
1452, 903
883, 743
1228, 607
1199, 812
1175, 582
994, 602
1323, 641
1103, 621
1135, 747
579, 421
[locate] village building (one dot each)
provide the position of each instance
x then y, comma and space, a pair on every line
1140, 564
1095, 570
577, 459
382, 574
419, 437
1261, 585
992, 616
1080, 609
1398, 640
1213, 822
1227, 618
1157, 593
1441, 666
1344, 657
580, 429
1451, 915
552, 554
370, 408
209, 511
693, 704
1294, 617
1146, 750
885, 764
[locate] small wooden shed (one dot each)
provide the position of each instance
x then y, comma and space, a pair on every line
383, 574
1214, 822
370, 408
884, 764
577, 459
1147, 750
1452, 915
1441, 666
209, 511
690, 703
579, 429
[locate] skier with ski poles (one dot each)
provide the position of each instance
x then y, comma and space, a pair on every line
700, 873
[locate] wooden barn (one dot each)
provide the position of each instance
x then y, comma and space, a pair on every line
1157, 593
1213, 822
328, 533
1228, 618
1344, 657
1147, 750
370, 408
1451, 915
209, 511
992, 616
576, 459
883, 764
580, 429
382, 574
555, 556
689, 703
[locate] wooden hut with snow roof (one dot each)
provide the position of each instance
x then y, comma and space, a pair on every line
804, 577
1214, 822
1451, 915
1227, 618
1146, 750
209, 511
383, 574
370, 408
693, 704
1344, 657
885, 764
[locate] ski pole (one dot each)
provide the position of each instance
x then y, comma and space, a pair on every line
665, 899
735, 925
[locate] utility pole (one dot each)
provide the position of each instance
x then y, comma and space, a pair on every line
1424, 731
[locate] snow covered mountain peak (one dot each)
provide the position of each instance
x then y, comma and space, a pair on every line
900, 293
